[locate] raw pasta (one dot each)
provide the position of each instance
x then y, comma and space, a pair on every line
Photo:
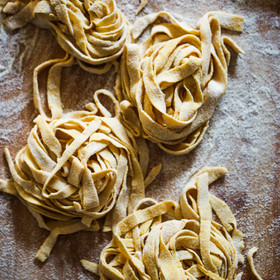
189, 245
84, 165
250, 258
170, 84
78, 168
93, 31
142, 5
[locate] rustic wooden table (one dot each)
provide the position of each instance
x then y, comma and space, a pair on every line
243, 136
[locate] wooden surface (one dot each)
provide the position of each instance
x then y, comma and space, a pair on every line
243, 136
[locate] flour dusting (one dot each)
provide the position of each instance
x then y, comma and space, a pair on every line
243, 136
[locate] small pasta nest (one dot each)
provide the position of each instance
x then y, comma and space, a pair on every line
93, 31
78, 168
187, 245
170, 83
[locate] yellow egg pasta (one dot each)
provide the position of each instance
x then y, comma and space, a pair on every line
81, 166
175, 241
78, 168
142, 5
93, 31
53, 85
250, 258
170, 83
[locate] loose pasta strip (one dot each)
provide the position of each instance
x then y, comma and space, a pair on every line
142, 5
93, 31
250, 256
53, 85
77, 169
170, 84
190, 245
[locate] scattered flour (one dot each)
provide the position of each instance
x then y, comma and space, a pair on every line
243, 136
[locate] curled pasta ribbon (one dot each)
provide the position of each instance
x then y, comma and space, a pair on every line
93, 31
53, 85
188, 245
142, 5
78, 169
250, 257
173, 80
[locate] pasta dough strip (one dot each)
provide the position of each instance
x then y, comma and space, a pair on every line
93, 31
250, 255
172, 81
101, 154
183, 234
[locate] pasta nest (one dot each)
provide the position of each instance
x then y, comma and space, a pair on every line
78, 168
188, 245
175, 78
93, 31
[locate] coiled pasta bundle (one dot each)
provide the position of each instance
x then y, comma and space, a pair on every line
93, 31
76, 169
175, 78
190, 246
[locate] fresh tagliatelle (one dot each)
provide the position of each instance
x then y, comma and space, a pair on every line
250, 258
78, 168
189, 245
93, 31
81, 166
170, 84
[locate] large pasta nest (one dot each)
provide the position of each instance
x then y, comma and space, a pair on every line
175, 78
189, 246
93, 31
78, 168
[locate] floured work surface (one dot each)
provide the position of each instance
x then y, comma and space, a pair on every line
242, 137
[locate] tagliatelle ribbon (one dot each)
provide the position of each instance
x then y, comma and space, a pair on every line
53, 85
170, 84
142, 5
93, 31
189, 245
250, 258
81, 166
77, 169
